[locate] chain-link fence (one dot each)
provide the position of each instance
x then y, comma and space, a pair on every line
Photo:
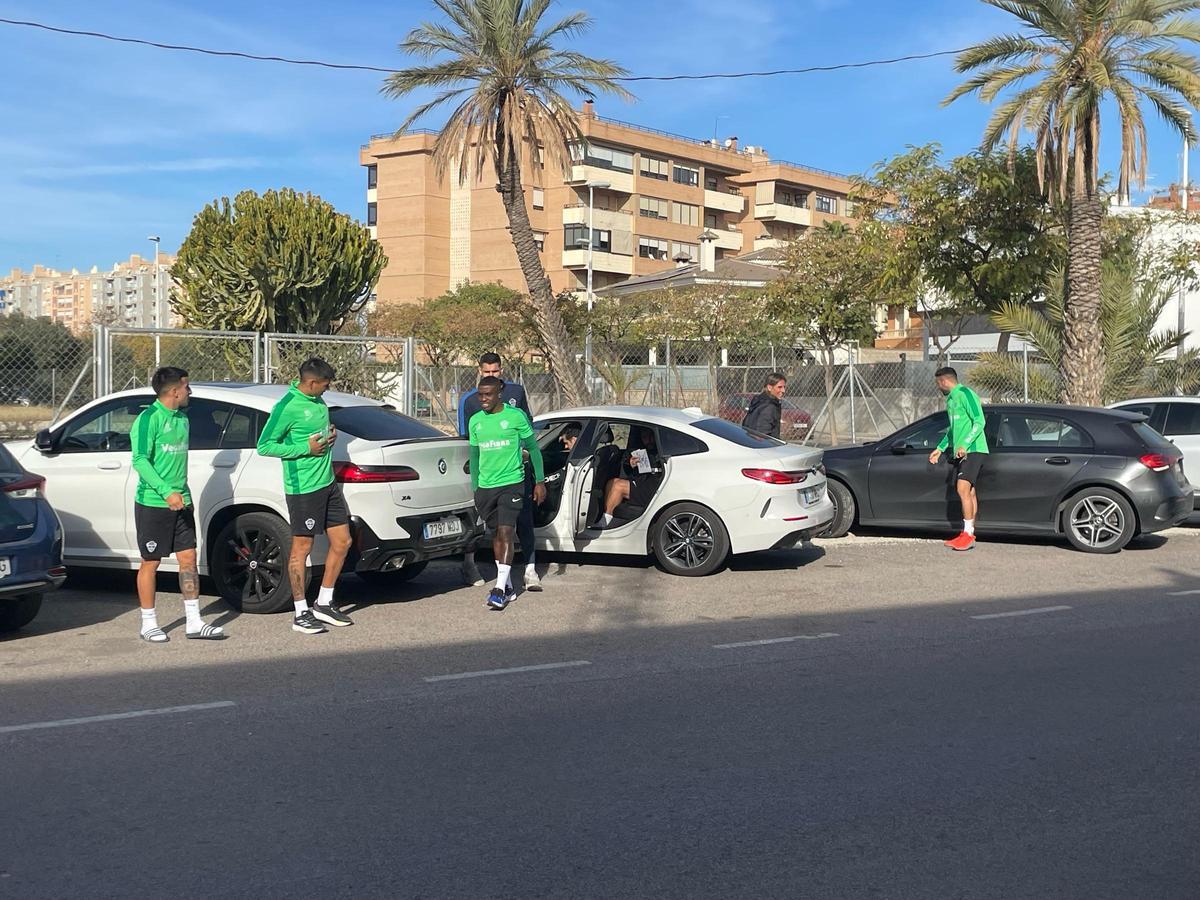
376, 367
44, 371
130, 356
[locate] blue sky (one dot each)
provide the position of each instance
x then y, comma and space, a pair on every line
106, 143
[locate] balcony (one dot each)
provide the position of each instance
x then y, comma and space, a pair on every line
769, 243
603, 219
622, 182
781, 212
725, 201
728, 239
601, 262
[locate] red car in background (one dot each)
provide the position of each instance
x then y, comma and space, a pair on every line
794, 421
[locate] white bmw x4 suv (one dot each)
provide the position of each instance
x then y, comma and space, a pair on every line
405, 482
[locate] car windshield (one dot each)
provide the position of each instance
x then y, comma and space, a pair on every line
380, 423
736, 434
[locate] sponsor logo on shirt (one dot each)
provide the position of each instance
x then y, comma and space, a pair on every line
495, 445
173, 448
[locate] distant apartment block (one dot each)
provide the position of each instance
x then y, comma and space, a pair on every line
660, 193
123, 295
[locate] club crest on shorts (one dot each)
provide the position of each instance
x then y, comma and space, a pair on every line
310, 524
151, 546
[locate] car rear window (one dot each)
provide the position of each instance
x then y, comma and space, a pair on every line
736, 434
380, 423
1150, 437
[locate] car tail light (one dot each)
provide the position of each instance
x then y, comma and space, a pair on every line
25, 488
1159, 462
774, 476
349, 473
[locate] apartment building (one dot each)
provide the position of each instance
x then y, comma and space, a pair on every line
650, 195
123, 295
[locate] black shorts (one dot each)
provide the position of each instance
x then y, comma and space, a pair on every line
500, 505
317, 511
967, 469
162, 531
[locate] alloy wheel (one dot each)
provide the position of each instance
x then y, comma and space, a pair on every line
689, 540
1098, 522
256, 564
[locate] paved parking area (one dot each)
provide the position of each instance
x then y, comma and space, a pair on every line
875, 717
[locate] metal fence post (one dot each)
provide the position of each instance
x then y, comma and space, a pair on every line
667, 375
266, 361
410, 376
853, 426
1025, 371
256, 358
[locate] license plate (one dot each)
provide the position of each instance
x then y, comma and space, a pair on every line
5, 567
809, 496
443, 528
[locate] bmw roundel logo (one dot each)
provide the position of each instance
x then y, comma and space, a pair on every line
442, 466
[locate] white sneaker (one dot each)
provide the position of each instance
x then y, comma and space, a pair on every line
532, 582
470, 572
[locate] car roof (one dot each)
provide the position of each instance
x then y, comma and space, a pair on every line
655, 414
1163, 399
263, 396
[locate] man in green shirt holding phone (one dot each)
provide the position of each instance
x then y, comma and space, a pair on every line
968, 445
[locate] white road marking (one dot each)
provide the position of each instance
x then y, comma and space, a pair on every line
459, 676
780, 640
1023, 612
1183, 593
113, 717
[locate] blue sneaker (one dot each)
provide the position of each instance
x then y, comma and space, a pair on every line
497, 600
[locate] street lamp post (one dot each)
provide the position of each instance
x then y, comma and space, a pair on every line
157, 241
587, 345
1182, 324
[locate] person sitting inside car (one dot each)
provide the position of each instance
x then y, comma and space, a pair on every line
556, 455
635, 487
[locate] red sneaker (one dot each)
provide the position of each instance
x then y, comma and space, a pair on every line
963, 542
950, 543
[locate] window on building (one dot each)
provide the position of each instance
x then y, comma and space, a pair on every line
609, 158
541, 157
539, 198
372, 214
710, 220
655, 168
826, 204
652, 248
372, 176
575, 237
685, 214
710, 181
652, 208
691, 251
849, 207
784, 197
685, 175
540, 240
801, 198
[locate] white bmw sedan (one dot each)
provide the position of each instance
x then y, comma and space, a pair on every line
689, 489
405, 483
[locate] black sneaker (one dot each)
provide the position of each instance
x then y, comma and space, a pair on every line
306, 623
331, 616
497, 600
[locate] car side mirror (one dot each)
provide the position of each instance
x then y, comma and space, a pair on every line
43, 441
900, 448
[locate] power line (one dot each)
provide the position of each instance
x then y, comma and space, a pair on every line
361, 68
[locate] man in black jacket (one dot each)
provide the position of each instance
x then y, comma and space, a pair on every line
766, 410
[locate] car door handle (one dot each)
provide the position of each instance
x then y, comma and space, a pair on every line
108, 465
225, 465
1058, 460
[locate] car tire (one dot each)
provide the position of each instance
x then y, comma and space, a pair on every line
18, 612
248, 562
844, 510
708, 548
394, 576
1098, 520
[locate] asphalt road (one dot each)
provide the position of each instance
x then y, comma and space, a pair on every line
874, 718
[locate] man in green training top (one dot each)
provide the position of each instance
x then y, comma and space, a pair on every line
299, 432
163, 515
497, 433
969, 449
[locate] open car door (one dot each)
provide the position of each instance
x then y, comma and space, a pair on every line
581, 495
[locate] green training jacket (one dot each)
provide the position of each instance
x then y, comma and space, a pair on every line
966, 422
160, 455
295, 418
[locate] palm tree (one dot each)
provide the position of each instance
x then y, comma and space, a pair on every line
497, 61
1072, 56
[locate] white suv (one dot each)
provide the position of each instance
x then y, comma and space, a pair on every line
1178, 420
406, 485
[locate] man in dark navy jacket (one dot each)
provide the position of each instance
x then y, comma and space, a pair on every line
513, 395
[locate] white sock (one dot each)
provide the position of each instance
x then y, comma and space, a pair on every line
530, 567
149, 620
606, 519
301, 606
503, 575
325, 596
969, 526
191, 609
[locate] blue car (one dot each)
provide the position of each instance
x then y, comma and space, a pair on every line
31, 544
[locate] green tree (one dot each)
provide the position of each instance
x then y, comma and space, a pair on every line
282, 261
497, 61
39, 360
457, 327
833, 280
1130, 305
1056, 76
976, 232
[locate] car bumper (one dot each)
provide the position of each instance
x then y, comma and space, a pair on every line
1165, 513
32, 583
782, 524
370, 553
